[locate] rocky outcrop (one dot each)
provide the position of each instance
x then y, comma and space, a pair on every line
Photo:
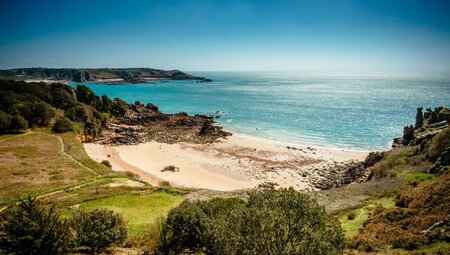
419, 119
427, 125
373, 158
341, 175
145, 123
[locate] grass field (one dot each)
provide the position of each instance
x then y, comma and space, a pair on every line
140, 210
34, 163
38, 162
75, 149
352, 226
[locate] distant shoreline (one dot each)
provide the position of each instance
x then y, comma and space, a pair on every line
100, 75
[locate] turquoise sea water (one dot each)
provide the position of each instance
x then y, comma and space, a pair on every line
357, 113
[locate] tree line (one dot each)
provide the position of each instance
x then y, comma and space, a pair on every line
29, 105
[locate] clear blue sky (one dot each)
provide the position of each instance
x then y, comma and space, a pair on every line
342, 37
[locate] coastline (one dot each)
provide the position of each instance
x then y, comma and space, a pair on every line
233, 163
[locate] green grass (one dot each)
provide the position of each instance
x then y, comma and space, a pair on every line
439, 246
386, 202
32, 163
351, 227
420, 177
139, 210
75, 148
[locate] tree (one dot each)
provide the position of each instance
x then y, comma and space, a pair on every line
87, 96
62, 99
99, 229
62, 125
271, 221
42, 113
30, 229
119, 108
106, 104
18, 123
5, 121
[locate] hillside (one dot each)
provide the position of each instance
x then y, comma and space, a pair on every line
107, 75
398, 204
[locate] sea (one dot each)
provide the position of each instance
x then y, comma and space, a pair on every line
361, 113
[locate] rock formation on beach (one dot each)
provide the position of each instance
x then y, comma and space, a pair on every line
145, 123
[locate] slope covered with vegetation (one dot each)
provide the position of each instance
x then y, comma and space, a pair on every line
402, 207
95, 74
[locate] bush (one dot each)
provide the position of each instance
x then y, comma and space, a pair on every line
5, 121
42, 113
106, 163
62, 125
98, 229
271, 222
170, 168
351, 215
28, 228
18, 123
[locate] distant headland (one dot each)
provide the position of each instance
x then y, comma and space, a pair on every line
100, 75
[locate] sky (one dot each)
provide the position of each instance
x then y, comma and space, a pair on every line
338, 37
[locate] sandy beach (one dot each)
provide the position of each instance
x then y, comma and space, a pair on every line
233, 163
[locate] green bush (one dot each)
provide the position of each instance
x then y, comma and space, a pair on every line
30, 229
98, 229
42, 113
5, 121
271, 222
18, 123
62, 125
107, 163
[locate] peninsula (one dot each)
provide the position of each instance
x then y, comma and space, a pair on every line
100, 75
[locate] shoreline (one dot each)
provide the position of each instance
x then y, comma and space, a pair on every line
303, 145
232, 163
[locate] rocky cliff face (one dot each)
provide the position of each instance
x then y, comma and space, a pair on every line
427, 125
145, 123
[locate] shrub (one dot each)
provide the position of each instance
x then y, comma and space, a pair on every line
18, 123
170, 168
164, 184
62, 125
271, 222
421, 208
61, 98
106, 163
98, 229
351, 215
5, 121
29, 228
185, 229
42, 113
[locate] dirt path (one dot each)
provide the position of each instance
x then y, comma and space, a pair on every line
61, 142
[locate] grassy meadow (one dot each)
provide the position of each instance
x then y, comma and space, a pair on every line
56, 168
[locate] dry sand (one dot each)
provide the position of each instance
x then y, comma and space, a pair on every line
234, 163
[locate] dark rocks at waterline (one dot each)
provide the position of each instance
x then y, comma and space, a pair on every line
144, 123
